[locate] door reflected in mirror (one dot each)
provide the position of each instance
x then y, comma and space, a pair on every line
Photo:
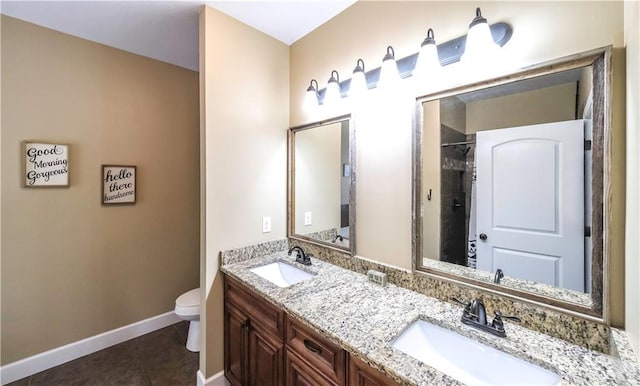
321, 182
507, 185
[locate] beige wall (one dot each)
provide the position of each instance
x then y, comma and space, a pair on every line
542, 31
453, 114
383, 193
550, 104
632, 268
431, 175
318, 173
244, 77
72, 268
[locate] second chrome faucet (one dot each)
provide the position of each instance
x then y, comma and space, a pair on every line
474, 314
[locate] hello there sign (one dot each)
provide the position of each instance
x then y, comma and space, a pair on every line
118, 184
46, 164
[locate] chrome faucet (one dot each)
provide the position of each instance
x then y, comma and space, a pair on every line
477, 312
475, 315
499, 275
301, 257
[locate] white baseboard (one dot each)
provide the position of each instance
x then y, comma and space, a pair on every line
214, 380
48, 359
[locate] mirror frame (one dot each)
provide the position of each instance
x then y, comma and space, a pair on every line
291, 201
600, 59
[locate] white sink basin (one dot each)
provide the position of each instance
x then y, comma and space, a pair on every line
281, 274
468, 361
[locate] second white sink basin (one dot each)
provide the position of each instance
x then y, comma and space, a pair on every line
468, 361
281, 274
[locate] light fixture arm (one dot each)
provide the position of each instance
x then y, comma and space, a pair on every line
478, 19
334, 78
312, 88
359, 68
390, 55
430, 39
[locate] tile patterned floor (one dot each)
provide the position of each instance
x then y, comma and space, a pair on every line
159, 358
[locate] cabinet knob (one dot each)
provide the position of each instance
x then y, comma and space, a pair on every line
483, 236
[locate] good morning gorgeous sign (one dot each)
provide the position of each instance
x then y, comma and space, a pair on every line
46, 164
118, 184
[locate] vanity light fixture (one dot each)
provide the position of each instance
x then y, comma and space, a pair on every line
332, 94
311, 97
358, 81
389, 74
428, 63
470, 46
480, 45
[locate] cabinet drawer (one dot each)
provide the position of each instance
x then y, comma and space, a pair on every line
326, 357
300, 373
262, 313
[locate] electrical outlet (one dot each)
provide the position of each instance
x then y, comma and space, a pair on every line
377, 277
266, 224
307, 218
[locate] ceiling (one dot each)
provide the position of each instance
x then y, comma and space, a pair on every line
168, 30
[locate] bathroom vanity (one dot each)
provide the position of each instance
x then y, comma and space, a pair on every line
337, 328
265, 345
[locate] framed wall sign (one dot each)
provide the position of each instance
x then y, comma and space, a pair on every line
118, 184
46, 165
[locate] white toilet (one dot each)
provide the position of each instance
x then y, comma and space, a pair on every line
188, 308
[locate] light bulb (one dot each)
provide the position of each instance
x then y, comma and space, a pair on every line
358, 82
428, 64
311, 97
332, 93
480, 47
389, 75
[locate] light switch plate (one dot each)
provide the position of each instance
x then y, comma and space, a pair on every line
266, 224
307, 218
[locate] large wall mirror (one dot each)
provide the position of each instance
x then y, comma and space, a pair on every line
321, 183
511, 183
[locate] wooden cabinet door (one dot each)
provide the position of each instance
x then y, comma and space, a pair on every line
235, 345
253, 330
265, 358
299, 373
361, 374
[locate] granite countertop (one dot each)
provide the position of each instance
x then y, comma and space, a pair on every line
365, 318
